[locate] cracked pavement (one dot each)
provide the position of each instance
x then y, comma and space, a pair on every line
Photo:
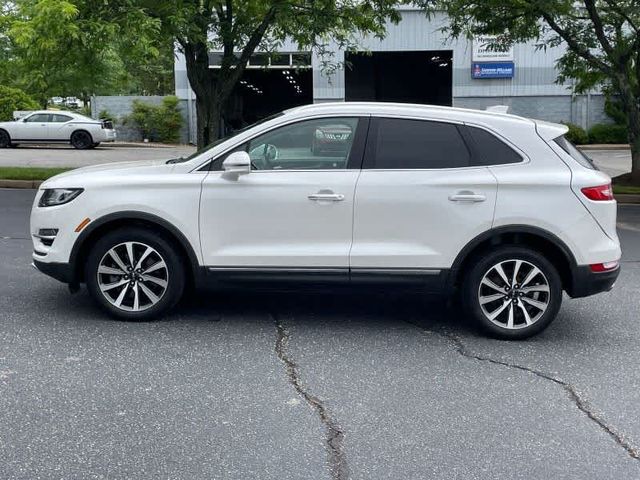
301, 386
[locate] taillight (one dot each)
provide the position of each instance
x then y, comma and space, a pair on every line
604, 267
599, 193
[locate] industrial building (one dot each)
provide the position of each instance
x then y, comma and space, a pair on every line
416, 63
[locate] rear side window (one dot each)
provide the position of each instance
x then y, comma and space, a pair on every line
57, 118
417, 144
490, 150
576, 154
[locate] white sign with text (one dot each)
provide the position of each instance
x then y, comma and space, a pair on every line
483, 51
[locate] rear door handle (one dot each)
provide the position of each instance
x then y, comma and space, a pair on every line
467, 196
327, 197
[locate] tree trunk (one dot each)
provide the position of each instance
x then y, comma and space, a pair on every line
203, 83
634, 139
635, 161
208, 113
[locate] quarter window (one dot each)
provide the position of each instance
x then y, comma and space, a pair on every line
320, 144
576, 154
490, 150
418, 144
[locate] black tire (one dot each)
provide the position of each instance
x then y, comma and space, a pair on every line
517, 303
174, 274
5, 139
81, 140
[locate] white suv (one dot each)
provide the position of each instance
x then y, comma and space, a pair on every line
502, 209
47, 126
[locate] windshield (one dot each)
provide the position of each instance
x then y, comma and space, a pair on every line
224, 139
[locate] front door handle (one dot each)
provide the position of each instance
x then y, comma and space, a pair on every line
467, 196
327, 197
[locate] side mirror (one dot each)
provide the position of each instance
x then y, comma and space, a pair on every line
238, 163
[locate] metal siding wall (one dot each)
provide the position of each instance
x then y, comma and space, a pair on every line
532, 92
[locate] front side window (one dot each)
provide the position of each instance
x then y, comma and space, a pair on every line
320, 144
38, 117
417, 144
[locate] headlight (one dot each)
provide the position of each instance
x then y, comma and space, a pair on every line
58, 196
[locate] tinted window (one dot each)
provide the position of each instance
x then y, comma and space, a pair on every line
411, 144
576, 154
38, 117
309, 145
59, 118
490, 149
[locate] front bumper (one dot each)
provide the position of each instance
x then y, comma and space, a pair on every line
586, 283
60, 271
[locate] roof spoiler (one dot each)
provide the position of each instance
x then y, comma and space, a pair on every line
498, 109
548, 131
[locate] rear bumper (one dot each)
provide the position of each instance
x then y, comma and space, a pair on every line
60, 271
585, 282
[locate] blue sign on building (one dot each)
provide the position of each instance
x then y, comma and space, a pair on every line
492, 70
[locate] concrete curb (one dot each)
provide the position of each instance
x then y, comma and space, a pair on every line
141, 145
605, 146
20, 183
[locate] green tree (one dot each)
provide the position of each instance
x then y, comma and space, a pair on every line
79, 47
12, 99
602, 38
238, 28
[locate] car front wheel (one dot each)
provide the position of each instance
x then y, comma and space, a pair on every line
135, 274
512, 292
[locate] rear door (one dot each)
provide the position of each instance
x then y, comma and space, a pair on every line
59, 127
419, 199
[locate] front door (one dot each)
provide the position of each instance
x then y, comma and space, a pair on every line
294, 210
33, 128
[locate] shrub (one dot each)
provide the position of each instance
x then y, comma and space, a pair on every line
105, 115
169, 120
576, 134
603, 133
12, 99
160, 123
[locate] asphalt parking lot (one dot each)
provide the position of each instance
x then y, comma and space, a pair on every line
292, 386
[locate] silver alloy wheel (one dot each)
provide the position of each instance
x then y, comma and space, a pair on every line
133, 276
514, 294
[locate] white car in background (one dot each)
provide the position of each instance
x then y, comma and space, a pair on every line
46, 126
501, 211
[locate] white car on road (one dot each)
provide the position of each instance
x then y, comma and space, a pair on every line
499, 210
47, 126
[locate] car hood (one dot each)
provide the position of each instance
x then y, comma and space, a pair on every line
100, 173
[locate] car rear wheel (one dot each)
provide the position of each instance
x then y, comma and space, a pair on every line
5, 139
512, 292
81, 140
135, 274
